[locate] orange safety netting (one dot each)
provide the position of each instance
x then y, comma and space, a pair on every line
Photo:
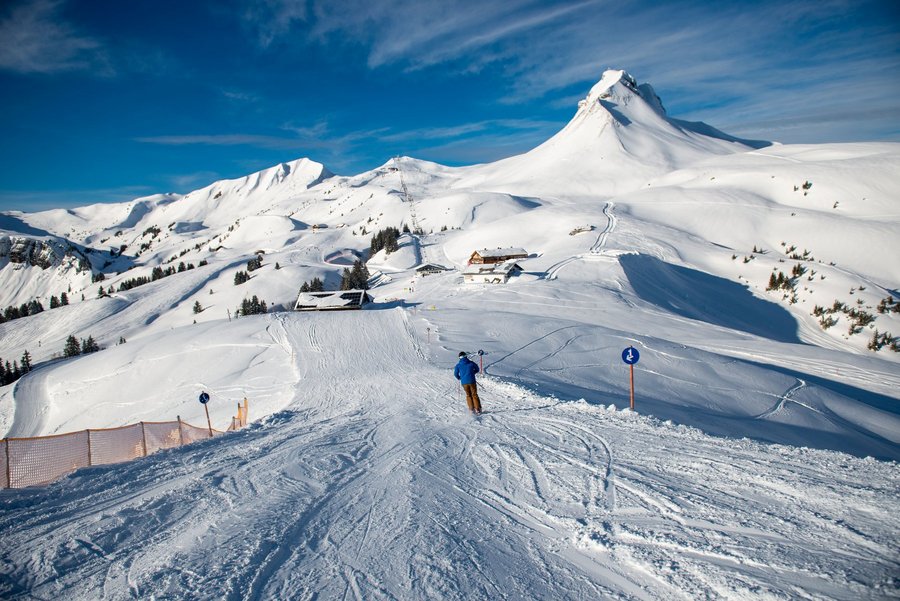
43, 459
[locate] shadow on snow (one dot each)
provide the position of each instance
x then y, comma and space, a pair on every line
704, 297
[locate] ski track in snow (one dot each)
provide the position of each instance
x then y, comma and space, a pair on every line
595, 250
380, 487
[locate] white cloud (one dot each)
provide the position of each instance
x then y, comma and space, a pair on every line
766, 60
34, 38
39, 200
257, 140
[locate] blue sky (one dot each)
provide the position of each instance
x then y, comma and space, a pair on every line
108, 100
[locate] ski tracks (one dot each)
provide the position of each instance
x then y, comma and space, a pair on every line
784, 399
379, 486
596, 248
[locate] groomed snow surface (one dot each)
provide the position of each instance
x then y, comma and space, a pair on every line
378, 486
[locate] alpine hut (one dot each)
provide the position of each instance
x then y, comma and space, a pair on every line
492, 273
332, 300
498, 255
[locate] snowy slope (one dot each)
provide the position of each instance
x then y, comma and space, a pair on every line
749, 461
367, 489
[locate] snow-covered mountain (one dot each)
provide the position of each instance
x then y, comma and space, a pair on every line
619, 139
641, 230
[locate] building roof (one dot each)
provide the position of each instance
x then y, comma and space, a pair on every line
432, 267
332, 299
504, 268
502, 252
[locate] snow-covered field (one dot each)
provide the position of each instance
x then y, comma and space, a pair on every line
374, 484
760, 463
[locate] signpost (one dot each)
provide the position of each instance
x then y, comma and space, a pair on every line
204, 399
481, 360
631, 356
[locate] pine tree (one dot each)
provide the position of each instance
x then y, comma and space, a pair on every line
304, 287
72, 348
89, 346
198, 307
358, 277
255, 263
3, 381
390, 244
54, 302
26, 362
316, 285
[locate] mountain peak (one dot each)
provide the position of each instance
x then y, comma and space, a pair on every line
618, 86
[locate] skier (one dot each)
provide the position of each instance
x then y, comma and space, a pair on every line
465, 372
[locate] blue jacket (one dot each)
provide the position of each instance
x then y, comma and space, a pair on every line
465, 370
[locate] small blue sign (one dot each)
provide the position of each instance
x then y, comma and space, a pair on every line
204, 398
631, 355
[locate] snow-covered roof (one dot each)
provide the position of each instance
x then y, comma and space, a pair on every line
432, 267
504, 268
502, 252
332, 299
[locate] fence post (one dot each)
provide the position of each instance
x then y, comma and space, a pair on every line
144, 438
245, 413
8, 467
90, 462
180, 432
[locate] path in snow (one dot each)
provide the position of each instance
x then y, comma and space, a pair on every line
596, 249
375, 484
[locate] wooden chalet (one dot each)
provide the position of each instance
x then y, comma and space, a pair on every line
431, 269
332, 300
491, 273
498, 255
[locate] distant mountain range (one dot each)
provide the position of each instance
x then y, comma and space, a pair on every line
694, 196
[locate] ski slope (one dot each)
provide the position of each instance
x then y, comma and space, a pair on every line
378, 486
761, 461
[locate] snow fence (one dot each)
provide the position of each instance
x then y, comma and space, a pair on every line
43, 459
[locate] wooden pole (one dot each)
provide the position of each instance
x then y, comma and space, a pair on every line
208, 422
144, 438
89, 447
180, 433
632, 386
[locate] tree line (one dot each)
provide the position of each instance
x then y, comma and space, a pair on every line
158, 273
9, 373
32, 308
